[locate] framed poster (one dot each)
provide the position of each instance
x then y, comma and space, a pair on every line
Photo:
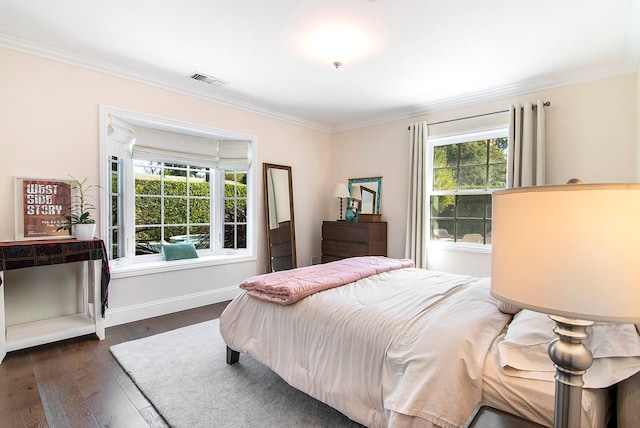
40, 208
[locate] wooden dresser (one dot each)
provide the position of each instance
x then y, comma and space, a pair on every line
342, 239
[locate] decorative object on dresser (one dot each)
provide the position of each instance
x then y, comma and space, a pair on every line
351, 239
369, 218
569, 251
355, 197
341, 191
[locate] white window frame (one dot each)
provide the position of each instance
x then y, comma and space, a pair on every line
455, 138
131, 265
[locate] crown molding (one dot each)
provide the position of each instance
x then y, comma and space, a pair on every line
491, 95
631, 66
54, 54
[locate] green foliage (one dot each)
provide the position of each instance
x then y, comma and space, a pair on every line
231, 198
80, 203
471, 165
176, 202
236, 177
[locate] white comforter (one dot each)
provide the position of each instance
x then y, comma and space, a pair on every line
408, 342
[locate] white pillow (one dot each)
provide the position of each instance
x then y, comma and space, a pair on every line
507, 308
524, 350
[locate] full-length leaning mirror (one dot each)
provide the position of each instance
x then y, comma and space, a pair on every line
278, 200
370, 194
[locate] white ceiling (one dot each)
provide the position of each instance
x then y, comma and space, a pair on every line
423, 55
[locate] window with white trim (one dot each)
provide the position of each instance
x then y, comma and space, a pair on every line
190, 186
465, 170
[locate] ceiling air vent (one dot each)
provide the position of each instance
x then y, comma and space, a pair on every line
208, 79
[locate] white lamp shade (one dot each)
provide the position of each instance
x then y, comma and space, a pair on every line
341, 191
570, 250
356, 193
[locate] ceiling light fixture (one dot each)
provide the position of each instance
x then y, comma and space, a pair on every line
336, 41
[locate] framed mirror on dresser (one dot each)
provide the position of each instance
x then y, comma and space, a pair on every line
370, 194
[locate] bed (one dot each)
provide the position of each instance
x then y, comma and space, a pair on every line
387, 344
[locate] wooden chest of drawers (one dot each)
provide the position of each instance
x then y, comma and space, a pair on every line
342, 239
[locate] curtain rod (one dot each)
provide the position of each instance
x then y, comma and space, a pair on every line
545, 104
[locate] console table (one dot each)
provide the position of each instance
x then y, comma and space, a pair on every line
25, 254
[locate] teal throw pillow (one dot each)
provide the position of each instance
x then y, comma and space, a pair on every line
179, 251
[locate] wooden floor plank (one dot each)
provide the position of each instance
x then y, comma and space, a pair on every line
29, 417
78, 383
64, 405
112, 408
18, 388
101, 391
127, 385
47, 362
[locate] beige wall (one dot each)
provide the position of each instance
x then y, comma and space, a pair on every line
591, 134
49, 128
638, 125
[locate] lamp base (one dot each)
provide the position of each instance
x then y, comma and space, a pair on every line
572, 359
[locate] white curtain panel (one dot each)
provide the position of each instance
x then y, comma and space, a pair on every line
417, 215
525, 166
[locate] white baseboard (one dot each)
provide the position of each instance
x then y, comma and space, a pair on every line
162, 307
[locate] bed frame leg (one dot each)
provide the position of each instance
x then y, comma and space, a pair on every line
232, 356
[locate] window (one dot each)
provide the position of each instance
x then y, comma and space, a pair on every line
235, 209
192, 186
466, 169
172, 204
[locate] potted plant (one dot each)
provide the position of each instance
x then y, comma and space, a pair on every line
79, 220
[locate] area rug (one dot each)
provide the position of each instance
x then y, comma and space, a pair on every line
184, 374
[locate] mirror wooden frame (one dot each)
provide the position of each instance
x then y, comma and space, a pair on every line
368, 198
281, 233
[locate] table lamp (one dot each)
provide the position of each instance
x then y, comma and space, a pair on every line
341, 191
570, 251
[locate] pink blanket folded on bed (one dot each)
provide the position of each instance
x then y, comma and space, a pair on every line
289, 286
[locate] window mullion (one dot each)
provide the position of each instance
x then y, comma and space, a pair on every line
188, 202
163, 203
217, 203
129, 208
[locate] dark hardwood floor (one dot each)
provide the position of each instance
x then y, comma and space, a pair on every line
77, 383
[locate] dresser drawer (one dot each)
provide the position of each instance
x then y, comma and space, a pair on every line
344, 231
345, 249
341, 239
